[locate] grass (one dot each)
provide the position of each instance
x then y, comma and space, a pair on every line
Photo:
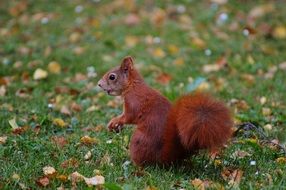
98, 36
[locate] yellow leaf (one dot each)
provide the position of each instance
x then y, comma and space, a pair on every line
59, 122
88, 140
199, 43
281, 160
173, 49
198, 184
179, 61
158, 52
279, 32
62, 178
131, 41
54, 67
40, 74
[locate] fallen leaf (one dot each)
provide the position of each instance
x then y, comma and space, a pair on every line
49, 171
279, 32
131, 41
59, 122
240, 154
132, 19
62, 178
54, 67
78, 50
43, 181
158, 52
96, 180
173, 49
158, 17
261, 10
70, 163
282, 66
76, 177
2, 90
268, 127
198, 42
40, 74
87, 140
75, 37
233, 176
281, 160
179, 61
211, 68
88, 155
266, 111
59, 141
198, 184
65, 110
150, 188
3, 139
13, 123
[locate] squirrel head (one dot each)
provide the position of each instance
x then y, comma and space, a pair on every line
117, 80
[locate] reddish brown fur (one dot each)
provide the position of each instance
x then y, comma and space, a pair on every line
167, 133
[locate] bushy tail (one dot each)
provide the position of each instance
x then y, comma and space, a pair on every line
202, 122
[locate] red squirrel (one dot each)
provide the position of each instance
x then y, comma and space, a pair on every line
165, 132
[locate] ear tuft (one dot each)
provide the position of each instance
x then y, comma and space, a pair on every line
127, 64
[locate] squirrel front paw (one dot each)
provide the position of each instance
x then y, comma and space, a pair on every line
115, 124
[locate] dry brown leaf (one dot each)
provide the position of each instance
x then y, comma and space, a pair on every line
233, 176
158, 17
198, 42
240, 154
59, 141
2, 90
198, 184
3, 139
70, 163
65, 110
132, 19
179, 61
43, 181
261, 10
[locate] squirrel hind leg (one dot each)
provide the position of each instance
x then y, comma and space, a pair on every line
203, 123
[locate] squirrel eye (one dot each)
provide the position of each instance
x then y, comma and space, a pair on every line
112, 77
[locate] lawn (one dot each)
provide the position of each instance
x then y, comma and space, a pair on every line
52, 53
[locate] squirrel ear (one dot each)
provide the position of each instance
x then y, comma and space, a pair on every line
127, 64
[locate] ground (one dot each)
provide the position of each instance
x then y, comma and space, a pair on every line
53, 114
